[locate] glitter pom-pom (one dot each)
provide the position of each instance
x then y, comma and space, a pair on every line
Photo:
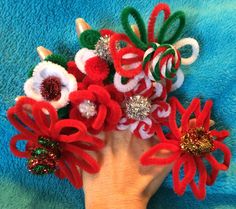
51, 88
96, 69
102, 48
87, 109
138, 107
197, 142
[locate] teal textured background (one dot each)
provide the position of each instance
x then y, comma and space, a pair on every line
25, 24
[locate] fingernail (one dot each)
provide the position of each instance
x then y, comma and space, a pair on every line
136, 30
81, 25
43, 52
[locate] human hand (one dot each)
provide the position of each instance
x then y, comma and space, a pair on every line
122, 181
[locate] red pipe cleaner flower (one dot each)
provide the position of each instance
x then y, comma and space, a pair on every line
144, 107
190, 145
53, 146
95, 108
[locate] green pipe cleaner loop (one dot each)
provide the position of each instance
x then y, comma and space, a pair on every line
156, 72
89, 38
139, 42
165, 27
57, 59
30, 73
148, 58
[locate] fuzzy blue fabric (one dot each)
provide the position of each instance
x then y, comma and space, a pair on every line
25, 24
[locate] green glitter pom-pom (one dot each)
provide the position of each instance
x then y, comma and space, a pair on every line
57, 59
89, 38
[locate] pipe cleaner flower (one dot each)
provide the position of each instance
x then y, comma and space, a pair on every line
50, 82
190, 145
158, 57
52, 145
95, 107
95, 59
144, 107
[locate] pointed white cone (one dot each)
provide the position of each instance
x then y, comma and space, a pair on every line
43, 52
136, 30
81, 25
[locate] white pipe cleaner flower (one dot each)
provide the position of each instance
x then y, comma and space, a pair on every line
50, 82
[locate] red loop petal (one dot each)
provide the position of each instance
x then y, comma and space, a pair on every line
227, 156
45, 115
220, 135
101, 93
101, 116
78, 130
77, 97
187, 114
19, 125
24, 115
152, 20
203, 120
83, 159
120, 60
149, 158
199, 190
189, 166
15, 150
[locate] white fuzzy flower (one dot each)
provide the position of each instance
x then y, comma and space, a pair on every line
50, 82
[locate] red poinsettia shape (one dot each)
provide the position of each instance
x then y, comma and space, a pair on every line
52, 145
189, 146
95, 107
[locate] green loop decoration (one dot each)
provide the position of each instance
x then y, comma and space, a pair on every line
57, 59
165, 27
89, 38
30, 73
139, 42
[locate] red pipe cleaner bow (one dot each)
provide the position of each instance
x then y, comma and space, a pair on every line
53, 145
189, 146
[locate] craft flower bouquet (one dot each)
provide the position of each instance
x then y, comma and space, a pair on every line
118, 81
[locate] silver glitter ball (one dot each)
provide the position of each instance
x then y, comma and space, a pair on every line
102, 48
87, 109
138, 107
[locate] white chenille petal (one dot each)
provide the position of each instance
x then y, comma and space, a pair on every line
179, 80
30, 90
72, 84
164, 113
121, 126
144, 133
46, 69
195, 50
63, 101
133, 126
82, 56
124, 87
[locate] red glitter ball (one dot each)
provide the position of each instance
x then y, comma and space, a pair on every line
96, 69
51, 88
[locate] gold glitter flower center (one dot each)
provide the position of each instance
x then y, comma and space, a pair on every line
197, 142
138, 107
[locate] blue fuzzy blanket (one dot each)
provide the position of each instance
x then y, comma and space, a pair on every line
25, 24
